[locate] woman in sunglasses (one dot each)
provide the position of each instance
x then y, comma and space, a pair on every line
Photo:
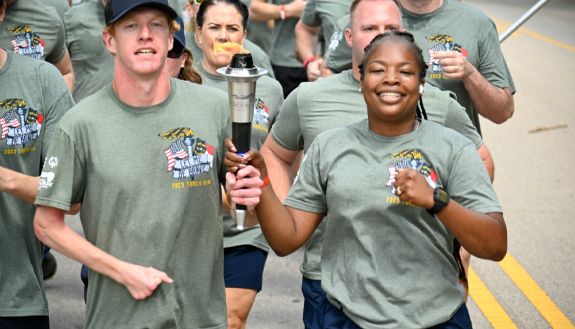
179, 62
245, 252
395, 191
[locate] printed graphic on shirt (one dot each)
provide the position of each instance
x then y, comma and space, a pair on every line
412, 158
261, 115
47, 177
188, 155
20, 125
26, 42
442, 42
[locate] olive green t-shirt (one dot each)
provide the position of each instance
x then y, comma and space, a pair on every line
335, 102
463, 28
259, 32
60, 5
33, 97
269, 99
34, 29
93, 64
325, 14
149, 183
388, 263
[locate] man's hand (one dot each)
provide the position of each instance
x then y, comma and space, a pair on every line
313, 69
454, 65
142, 281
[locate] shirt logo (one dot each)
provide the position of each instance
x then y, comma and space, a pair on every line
187, 155
27, 43
20, 124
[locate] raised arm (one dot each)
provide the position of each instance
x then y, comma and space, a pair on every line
261, 10
492, 102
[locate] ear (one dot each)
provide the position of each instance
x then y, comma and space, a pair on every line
171, 41
109, 42
347, 34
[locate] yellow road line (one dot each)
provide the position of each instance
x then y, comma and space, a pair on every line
534, 293
487, 303
503, 25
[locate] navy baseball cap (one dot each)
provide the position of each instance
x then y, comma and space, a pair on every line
116, 9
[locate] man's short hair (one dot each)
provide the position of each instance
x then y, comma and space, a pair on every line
354, 4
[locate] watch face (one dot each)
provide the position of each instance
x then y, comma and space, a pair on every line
442, 196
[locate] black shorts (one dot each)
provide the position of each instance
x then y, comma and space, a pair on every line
289, 77
244, 267
25, 322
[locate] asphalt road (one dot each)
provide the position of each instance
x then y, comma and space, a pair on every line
533, 152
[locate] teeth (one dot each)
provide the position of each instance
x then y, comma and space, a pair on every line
145, 51
389, 95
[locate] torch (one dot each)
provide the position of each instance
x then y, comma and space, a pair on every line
241, 75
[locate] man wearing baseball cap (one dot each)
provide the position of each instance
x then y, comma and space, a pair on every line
144, 156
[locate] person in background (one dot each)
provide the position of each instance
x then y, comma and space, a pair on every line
314, 33
33, 98
288, 69
260, 57
144, 157
32, 28
462, 49
245, 252
395, 191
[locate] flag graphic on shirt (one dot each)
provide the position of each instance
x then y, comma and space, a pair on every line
442, 42
414, 159
26, 42
20, 124
187, 154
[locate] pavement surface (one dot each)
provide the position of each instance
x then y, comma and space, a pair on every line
533, 152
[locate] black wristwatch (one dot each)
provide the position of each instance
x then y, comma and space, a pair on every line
440, 201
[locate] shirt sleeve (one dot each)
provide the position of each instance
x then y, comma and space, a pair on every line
468, 182
308, 190
492, 64
309, 16
287, 130
58, 101
63, 176
60, 46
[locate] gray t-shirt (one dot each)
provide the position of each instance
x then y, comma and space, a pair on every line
335, 102
388, 263
463, 28
93, 64
33, 97
269, 99
149, 183
325, 13
33, 29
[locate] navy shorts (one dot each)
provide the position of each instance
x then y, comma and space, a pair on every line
334, 318
244, 267
25, 322
313, 296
